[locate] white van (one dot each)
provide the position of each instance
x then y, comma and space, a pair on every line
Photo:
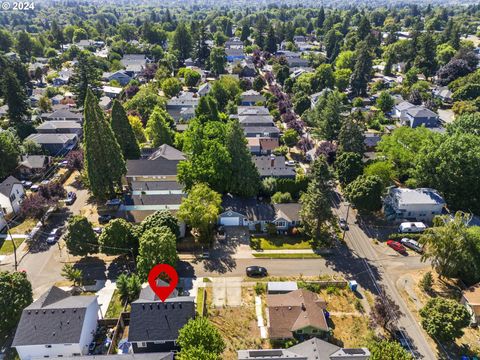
412, 227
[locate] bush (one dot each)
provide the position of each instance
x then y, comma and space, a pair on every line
281, 198
332, 290
427, 282
398, 236
313, 287
260, 288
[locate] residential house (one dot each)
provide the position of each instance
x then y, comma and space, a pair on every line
55, 144
145, 356
154, 324
444, 94
471, 300
251, 97
273, 166
182, 107
120, 76
63, 115
57, 325
294, 59
312, 349
371, 139
204, 89
134, 64
3, 221
111, 91
153, 185
63, 77
420, 116
256, 215
401, 108
105, 102
57, 99
234, 43
297, 314
287, 216
247, 69
245, 212
421, 204
11, 195
261, 131
234, 54
60, 127
262, 145
33, 166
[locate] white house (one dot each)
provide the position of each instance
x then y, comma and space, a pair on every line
57, 325
11, 195
421, 204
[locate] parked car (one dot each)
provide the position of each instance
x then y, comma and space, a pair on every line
290, 163
114, 202
71, 197
399, 335
343, 224
411, 227
27, 184
53, 236
34, 188
221, 235
104, 219
45, 182
97, 230
63, 163
256, 271
395, 245
205, 255
412, 244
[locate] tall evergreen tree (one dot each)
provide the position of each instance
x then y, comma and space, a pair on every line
426, 55
158, 128
316, 210
123, 132
182, 42
86, 76
217, 60
351, 138
245, 32
245, 179
104, 161
15, 97
320, 18
332, 44
271, 43
361, 72
200, 48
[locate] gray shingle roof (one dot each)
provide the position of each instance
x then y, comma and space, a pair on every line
7, 184
421, 112
55, 318
52, 138
290, 212
155, 167
156, 320
33, 161
145, 356
273, 166
249, 207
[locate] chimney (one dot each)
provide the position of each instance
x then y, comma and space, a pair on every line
272, 160
303, 307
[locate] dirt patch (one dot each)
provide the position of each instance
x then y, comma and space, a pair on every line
238, 325
350, 331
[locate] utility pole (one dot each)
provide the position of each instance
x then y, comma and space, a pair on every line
346, 222
2, 214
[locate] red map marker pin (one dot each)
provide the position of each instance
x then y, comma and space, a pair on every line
163, 292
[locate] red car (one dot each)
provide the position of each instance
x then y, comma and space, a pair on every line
395, 245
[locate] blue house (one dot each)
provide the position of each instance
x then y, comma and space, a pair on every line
121, 76
418, 115
234, 55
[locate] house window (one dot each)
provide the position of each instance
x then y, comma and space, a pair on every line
314, 330
159, 342
299, 331
141, 344
281, 223
12, 197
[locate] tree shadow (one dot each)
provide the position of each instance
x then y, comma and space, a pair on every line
93, 268
354, 267
120, 265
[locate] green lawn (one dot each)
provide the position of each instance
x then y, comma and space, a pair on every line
200, 300
115, 307
288, 256
6, 248
279, 242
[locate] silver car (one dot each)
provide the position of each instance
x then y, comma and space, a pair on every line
412, 244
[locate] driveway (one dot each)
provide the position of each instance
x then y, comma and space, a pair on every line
227, 291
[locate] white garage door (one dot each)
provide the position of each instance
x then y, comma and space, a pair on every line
230, 221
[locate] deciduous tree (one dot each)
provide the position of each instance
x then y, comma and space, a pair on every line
80, 237
200, 333
118, 238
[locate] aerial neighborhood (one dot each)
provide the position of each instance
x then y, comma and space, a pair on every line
309, 171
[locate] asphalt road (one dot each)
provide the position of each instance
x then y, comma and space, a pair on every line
382, 268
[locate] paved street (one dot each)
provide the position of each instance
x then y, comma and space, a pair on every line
382, 269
